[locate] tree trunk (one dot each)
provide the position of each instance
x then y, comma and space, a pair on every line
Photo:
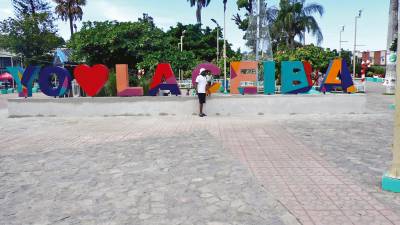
71, 25
392, 34
393, 23
291, 41
198, 13
32, 7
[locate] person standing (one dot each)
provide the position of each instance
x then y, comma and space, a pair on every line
209, 79
200, 85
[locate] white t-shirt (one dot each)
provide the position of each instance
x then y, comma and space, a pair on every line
209, 78
201, 84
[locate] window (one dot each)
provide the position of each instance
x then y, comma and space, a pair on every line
4, 62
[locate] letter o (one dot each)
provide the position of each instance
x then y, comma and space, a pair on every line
63, 76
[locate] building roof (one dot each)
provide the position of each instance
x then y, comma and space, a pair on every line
4, 53
61, 56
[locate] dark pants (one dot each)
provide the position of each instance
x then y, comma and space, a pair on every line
202, 98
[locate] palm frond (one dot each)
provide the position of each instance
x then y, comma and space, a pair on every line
314, 8
313, 27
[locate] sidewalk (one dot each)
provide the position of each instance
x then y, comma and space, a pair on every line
309, 187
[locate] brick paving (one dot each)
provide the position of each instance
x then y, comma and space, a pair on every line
314, 190
318, 179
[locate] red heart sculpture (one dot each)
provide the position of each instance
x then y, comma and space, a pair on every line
91, 79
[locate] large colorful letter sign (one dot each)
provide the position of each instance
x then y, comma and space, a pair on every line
123, 88
214, 70
238, 76
338, 75
164, 79
296, 77
269, 77
31, 73
91, 79
45, 81
24, 79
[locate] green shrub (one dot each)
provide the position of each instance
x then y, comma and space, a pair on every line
110, 88
377, 70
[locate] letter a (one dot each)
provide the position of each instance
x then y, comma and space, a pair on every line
164, 79
338, 75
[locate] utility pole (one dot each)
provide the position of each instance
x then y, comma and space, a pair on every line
355, 42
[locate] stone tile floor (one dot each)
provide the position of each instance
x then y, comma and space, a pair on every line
183, 179
318, 169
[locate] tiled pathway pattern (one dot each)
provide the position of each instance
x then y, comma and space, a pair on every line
312, 189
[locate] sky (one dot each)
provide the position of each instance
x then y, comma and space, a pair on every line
372, 26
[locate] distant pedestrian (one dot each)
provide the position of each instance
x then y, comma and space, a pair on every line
209, 78
200, 85
323, 89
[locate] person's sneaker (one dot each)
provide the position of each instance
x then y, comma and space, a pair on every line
201, 115
204, 114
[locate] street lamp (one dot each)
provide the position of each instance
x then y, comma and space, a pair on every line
355, 42
181, 45
340, 40
218, 27
258, 33
225, 82
182, 36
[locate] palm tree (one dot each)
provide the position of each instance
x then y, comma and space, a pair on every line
394, 171
200, 4
392, 35
295, 19
70, 10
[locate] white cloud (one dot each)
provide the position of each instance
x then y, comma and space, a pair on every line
114, 12
164, 22
6, 11
124, 13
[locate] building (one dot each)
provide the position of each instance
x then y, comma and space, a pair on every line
377, 58
7, 59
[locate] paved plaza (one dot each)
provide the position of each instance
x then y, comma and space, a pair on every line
266, 169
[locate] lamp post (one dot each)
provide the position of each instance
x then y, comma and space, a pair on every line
258, 33
340, 40
182, 36
12, 65
218, 27
225, 83
181, 46
355, 42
